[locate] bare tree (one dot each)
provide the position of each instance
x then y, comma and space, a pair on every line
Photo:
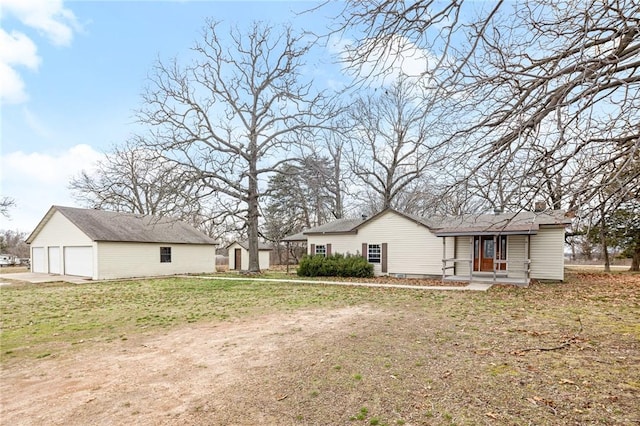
235, 114
14, 242
390, 142
552, 82
133, 178
5, 204
334, 141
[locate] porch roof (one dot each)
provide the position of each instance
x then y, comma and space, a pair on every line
522, 223
295, 238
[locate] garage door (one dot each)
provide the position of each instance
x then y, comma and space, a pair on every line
37, 260
78, 261
54, 260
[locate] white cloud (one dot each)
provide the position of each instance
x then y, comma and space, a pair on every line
35, 124
11, 85
49, 18
18, 49
38, 180
386, 61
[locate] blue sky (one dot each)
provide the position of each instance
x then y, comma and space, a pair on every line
72, 74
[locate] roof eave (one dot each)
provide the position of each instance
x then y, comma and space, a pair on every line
331, 233
41, 224
482, 233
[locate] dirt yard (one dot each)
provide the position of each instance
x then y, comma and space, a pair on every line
182, 377
547, 355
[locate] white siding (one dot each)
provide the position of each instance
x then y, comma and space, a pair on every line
516, 247
263, 258
54, 260
463, 252
547, 254
344, 244
125, 260
411, 248
59, 231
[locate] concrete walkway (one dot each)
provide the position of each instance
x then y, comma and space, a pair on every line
469, 287
39, 278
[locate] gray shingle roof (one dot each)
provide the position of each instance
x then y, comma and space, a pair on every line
524, 222
295, 238
245, 245
337, 226
102, 225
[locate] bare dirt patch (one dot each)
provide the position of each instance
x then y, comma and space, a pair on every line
551, 354
171, 378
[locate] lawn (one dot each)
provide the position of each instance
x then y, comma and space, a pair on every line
313, 354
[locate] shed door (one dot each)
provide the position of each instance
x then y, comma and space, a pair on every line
237, 262
37, 260
78, 261
54, 260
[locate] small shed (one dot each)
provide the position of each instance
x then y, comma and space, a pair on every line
100, 244
239, 255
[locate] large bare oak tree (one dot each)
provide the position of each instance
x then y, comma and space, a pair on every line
235, 114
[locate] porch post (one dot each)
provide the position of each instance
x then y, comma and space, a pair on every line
527, 260
444, 255
471, 238
287, 258
494, 258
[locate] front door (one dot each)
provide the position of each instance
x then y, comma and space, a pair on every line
485, 250
238, 259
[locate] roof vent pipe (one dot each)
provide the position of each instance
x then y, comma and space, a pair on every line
364, 217
497, 210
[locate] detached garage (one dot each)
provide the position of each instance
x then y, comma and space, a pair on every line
100, 244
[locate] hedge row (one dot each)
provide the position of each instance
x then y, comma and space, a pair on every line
336, 265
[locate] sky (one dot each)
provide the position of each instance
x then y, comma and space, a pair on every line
72, 74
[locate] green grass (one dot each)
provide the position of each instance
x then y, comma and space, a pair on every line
43, 317
439, 357
47, 318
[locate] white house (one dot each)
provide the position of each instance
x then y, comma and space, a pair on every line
504, 247
100, 244
239, 255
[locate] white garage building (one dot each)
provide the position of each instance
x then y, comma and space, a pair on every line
101, 244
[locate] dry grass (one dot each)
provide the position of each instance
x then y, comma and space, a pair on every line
547, 355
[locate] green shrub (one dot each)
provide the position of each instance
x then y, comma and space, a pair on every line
336, 265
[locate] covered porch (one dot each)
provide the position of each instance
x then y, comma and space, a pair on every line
487, 257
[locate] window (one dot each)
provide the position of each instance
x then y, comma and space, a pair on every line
165, 254
321, 250
374, 253
487, 249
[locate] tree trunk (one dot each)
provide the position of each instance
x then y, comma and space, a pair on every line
252, 212
635, 259
605, 249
